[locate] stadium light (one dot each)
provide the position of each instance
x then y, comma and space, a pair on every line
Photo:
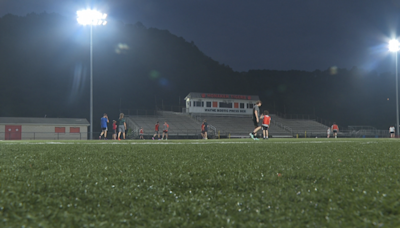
394, 46
92, 18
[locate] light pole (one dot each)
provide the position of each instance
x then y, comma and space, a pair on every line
394, 46
92, 18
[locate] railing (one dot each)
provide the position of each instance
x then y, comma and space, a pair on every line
152, 112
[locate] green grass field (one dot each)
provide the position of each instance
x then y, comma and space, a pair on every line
198, 183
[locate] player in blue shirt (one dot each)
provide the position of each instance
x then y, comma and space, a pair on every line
103, 121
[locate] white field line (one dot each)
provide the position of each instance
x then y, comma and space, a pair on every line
181, 143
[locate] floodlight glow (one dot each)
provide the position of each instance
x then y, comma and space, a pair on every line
91, 17
394, 46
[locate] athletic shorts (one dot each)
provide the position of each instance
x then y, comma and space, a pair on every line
255, 123
141, 134
156, 132
104, 129
121, 128
165, 131
392, 132
334, 131
202, 132
115, 131
265, 127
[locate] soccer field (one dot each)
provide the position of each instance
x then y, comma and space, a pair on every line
199, 183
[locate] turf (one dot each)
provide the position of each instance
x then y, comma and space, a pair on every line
214, 183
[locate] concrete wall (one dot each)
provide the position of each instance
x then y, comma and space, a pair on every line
46, 132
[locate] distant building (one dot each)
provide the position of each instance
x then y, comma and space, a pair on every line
211, 103
25, 128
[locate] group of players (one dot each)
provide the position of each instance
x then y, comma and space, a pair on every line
264, 125
266, 120
119, 127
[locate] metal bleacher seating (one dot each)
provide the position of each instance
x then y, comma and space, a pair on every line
180, 124
300, 126
239, 126
183, 125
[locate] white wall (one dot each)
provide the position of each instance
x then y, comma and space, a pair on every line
30, 132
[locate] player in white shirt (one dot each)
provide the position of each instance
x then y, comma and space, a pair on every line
328, 133
391, 131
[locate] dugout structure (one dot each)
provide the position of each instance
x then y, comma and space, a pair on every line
30, 128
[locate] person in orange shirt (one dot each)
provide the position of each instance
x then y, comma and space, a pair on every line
165, 131
141, 133
335, 129
265, 124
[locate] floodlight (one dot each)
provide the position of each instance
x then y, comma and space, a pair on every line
91, 17
394, 45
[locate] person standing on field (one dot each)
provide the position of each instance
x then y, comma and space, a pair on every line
202, 130
121, 126
392, 131
141, 133
165, 131
156, 128
256, 120
114, 129
335, 129
205, 129
265, 124
103, 122
328, 133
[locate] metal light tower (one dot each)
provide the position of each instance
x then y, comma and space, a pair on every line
92, 18
394, 46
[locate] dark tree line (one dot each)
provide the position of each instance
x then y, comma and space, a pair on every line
44, 70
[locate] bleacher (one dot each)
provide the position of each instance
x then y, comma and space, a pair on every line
299, 126
182, 125
239, 126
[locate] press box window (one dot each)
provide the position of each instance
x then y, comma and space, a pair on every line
208, 104
225, 105
198, 104
250, 105
241, 105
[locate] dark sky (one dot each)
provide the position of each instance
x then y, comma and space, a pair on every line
259, 34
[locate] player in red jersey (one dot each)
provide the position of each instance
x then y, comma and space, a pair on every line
202, 130
156, 127
141, 133
335, 129
265, 124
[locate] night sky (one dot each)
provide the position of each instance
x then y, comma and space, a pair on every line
258, 34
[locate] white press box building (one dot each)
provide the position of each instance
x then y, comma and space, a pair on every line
223, 104
25, 128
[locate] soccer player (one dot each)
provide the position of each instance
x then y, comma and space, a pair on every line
141, 132
115, 129
328, 133
121, 126
156, 127
205, 129
165, 131
202, 130
335, 129
256, 120
103, 122
391, 131
265, 124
